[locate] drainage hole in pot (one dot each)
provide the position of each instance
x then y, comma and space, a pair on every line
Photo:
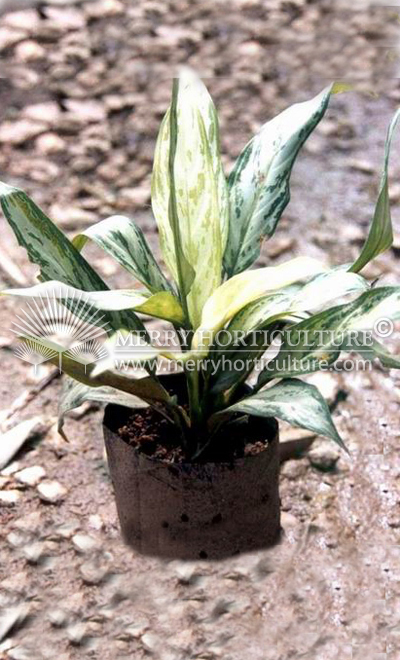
203, 554
164, 524
184, 517
217, 519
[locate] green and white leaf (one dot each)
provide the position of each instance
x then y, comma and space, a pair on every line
244, 288
162, 305
370, 349
189, 196
293, 401
321, 337
259, 183
51, 250
380, 236
316, 293
122, 239
74, 394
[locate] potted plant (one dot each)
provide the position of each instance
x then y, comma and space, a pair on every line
194, 456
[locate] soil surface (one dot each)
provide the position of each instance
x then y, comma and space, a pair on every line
155, 436
82, 90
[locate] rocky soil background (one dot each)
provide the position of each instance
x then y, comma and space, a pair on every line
83, 87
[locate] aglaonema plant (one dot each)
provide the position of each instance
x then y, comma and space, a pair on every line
211, 229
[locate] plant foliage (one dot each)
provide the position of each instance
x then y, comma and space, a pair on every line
211, 229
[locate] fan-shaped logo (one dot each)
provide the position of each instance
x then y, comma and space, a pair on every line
60, 323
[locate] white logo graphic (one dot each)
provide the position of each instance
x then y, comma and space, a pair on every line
60, 323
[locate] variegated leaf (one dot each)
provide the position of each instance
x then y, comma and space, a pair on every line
121, 238
51, 250
380, 236
244, 288
320, 290
189, 195
259, 183
74, 394
370, 349
162, 305
321, 337
293, 401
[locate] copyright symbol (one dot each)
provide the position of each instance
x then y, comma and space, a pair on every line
384, 327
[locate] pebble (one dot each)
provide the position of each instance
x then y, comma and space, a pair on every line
34, 552
84, 542
95, 522
9, 497
48, 113
29, 51
12, 441
58, 617
324, 455
70, 217
87, 111
31, 475
50, 143
362, 166
327, 384
51, 491
11, 617
104, 8
93, 572
10, 36
150, 641
77, 633
18, 132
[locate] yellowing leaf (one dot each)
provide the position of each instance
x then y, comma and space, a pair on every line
242, 289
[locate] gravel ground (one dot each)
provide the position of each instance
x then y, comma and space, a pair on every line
82, 92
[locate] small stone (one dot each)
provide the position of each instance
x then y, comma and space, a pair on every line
93, 572
18, 132
70, 217
10, 36
67, 529
324, 455
29, 51
9, 497
51, 491
58, 617
47, 113
50, 143
87, 111
362, 166
11, 617
104, 8
77, 633
34, 552
84, 542
150, 641
327, 384
250, 49
26, 20
278, 246
95, 522
133, 196
288, 520
31, 475
68, 18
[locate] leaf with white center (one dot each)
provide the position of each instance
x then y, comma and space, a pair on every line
189, 195
162, 305
320, 338
74, 394
259, 183
121, 238
244, 288
380, 236
292, 401
51, 250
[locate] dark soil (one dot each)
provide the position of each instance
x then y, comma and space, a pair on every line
155, 436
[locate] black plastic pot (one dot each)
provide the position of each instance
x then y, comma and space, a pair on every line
193, 510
